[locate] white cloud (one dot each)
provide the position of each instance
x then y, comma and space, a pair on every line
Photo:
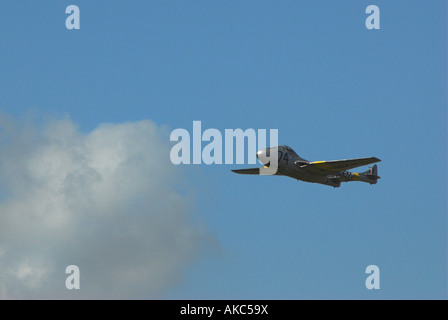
107, 201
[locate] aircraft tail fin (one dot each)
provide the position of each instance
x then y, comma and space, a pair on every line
370, 175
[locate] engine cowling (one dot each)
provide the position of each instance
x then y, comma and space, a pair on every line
301, 164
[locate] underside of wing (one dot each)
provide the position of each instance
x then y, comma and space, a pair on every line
247, 171
338, 165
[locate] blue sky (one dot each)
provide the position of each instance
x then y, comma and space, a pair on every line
310, 69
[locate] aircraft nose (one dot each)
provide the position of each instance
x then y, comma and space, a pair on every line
263, 155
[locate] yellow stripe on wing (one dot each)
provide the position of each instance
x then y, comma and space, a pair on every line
324, 165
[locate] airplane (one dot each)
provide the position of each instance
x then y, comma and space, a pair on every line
330, 173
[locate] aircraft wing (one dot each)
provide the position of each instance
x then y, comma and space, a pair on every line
247, 171
338, 165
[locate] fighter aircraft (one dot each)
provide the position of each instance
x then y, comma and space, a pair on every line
330, 173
